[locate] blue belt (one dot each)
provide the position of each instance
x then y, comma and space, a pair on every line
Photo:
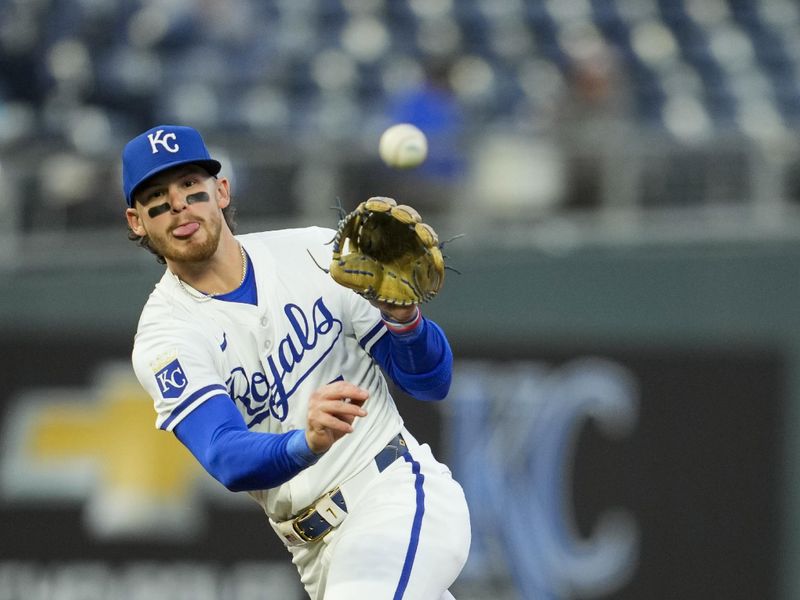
310, 525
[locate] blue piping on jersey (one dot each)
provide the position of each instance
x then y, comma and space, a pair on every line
370, 334
183, 405
411, 553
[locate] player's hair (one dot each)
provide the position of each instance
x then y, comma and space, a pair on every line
229, 212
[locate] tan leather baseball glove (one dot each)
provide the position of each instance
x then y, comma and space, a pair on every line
385, 252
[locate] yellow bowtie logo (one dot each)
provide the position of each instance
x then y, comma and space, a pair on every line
101, 444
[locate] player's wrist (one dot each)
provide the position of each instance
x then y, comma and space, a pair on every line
405, 326
299, 450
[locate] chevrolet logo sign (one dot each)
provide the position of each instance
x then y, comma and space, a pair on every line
101, 445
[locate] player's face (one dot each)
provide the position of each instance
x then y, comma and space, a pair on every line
180, 210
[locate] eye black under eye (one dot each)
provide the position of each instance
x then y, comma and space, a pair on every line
160, 209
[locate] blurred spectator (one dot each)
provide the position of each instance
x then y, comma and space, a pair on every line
589, 123
434, 108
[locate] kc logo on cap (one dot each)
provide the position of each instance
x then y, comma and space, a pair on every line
159, 149
159, 137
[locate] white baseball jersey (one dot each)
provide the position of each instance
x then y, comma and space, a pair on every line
306, 331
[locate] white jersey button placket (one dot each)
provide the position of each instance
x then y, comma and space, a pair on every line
264, 322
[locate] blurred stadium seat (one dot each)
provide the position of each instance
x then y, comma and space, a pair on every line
82, 76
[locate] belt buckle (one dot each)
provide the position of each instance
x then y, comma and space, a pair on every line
305, 515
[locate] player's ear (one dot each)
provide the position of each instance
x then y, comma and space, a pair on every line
223, 191
134, 222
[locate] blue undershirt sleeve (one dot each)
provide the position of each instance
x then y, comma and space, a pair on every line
240, 459
420, 362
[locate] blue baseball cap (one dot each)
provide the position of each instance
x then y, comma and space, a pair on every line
161, 148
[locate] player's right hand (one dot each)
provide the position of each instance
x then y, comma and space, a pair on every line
331, 412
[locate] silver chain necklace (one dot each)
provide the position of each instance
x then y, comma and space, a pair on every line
202, 297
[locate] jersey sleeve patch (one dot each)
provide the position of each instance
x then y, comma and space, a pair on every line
171, 380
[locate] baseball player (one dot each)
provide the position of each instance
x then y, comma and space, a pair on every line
272, 375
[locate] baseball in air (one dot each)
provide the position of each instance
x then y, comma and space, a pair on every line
403, 146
